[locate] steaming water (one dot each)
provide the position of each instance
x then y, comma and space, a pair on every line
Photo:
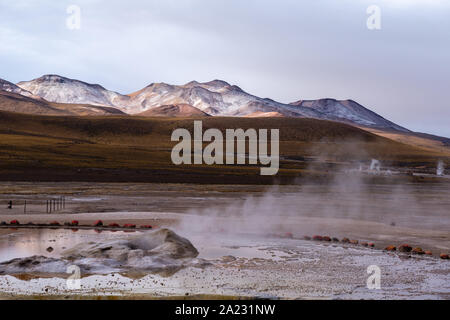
375, 165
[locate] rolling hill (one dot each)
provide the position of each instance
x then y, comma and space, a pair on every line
123, 148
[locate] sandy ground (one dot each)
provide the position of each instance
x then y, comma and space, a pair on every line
249, 253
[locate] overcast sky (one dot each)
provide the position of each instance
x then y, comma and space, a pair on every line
285, 49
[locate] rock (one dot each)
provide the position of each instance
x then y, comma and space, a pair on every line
54, 223
444, 256
326, 238
288, 235
354, 241
371, 244
67, 224
390, 248
129, 225
317, 238
404, 248
14, 222
335, 240
418, 251
74, 223
3, 223
364, 244
49, 249
346, 240
146, 226
428, 253
98, 223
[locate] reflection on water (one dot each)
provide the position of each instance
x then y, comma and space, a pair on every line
29, 242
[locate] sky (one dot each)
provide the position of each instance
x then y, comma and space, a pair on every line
283, 49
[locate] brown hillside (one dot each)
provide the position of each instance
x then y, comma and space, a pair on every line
123, 148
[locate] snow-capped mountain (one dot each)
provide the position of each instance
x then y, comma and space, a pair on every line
217, 98
349, 110
59, 89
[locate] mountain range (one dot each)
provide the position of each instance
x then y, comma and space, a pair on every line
214, 98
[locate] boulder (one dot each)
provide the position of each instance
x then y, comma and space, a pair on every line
418, 251
390, 248
444, 256
98, 223
404, 248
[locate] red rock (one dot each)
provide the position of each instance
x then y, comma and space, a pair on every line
54, 223
114, 225
74, 230
317, 238
146, 226
15, 222
404, 248
98, 223
371, 244
346, 240
418, 251
326, 238
74, 223
129, 225
444, 256
428, 253
390, 248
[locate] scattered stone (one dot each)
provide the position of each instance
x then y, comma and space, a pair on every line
74, 223
317, 238
3, 223
390, 248
146, 226
129, 225
15, 222
428, 253
54, 223
444, 256
67, 224
405, 248
371, 244
49, 249
364, 244
346, 240
354, 241
418, 251
335, 240
326, 238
